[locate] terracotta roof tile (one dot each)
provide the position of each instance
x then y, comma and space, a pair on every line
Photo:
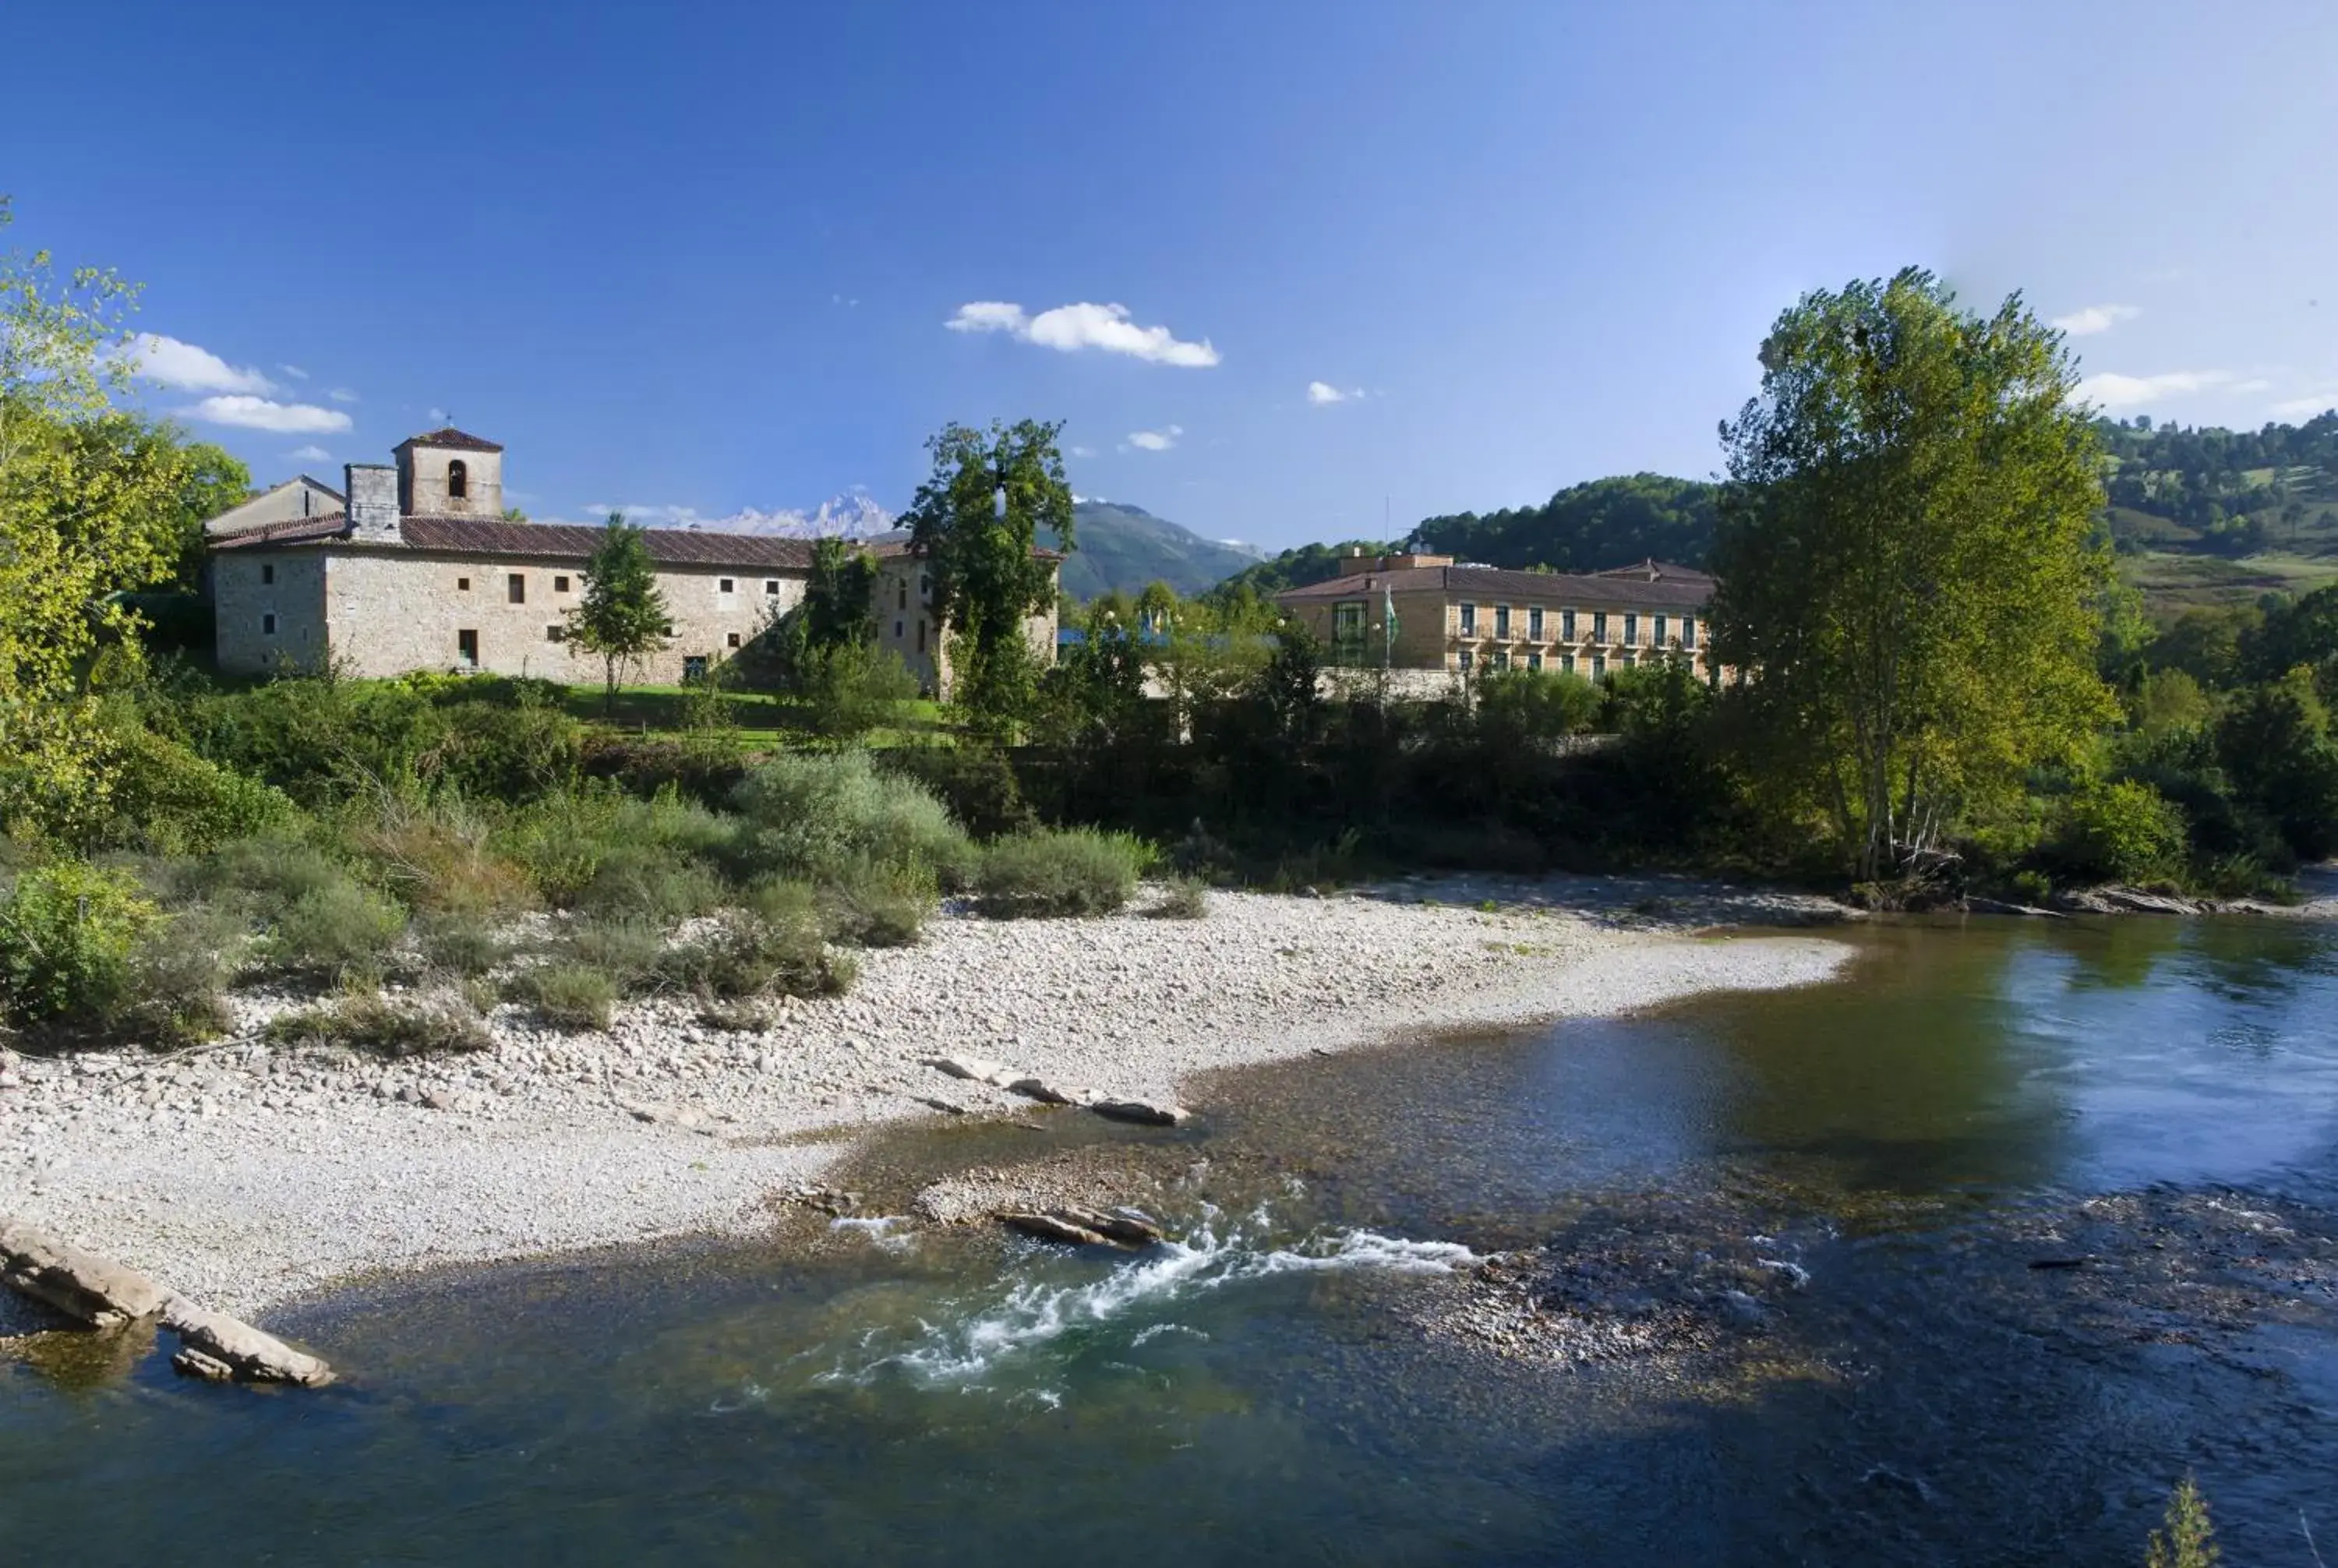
569, 541
298, 531
1485, 582
447, 435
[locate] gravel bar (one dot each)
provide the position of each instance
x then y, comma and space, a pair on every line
248, 1175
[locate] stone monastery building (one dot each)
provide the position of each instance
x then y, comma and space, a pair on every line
418, 570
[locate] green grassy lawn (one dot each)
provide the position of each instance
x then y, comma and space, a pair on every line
761, 719
2172, 584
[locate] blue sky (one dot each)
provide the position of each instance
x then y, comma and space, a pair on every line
695, 259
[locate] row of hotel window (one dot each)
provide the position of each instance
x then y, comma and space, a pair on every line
1592, 664
515, 583
1660, 627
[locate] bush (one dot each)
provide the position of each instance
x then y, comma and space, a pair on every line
175, 991
880, 907
1058, 871
463, 945
651, 880
67, 932
817, 818
629, 952
1523, 705
370, 1025
339, 933
2121, 832
439, 860
567, 994
975, 782
168, 801
851, 688
747, 955
1187, 899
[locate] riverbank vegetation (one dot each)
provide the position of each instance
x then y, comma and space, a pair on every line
1936, 688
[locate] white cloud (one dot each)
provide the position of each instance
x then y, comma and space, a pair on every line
436, 416
1079, 451
1155, 440
1071, 327
310, 454
168, 362
294, 371
1323, 392
249, 413
342, 394
2096, 318
2114, 391
2307, 407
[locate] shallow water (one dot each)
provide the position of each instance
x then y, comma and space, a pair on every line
1908, 1141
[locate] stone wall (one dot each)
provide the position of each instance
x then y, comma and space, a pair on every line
906, 625
393, 611
247, 588
422, 482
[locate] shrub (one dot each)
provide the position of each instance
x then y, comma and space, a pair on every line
1058, 871
463, 945
439, 860
819, 817
382, 1028
1522, 705
339, 933
2122, 832
850, 688
975, 782
567, 994
67, 932
1186, 898
174, 993
880, 907
629, 952
651, 880
171, 801
747, 955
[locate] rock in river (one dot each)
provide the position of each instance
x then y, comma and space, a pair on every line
83, 1286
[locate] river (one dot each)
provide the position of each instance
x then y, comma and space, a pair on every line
1963, 1258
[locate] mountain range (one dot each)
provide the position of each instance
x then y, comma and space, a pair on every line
1117, 546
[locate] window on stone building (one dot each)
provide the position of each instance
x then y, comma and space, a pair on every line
462, 584
1567, 625
458, 480
1534, 624
1566, 662
770, 587
896, 631
904, 603
1501, 660
1688, 631
1599, 667
1501, 620
1657, 637
1469, 621
727, 585
1599, 627
268, 625
555, 634
1534, 660
921, 635
924, 591
1631, 629
516, 588
560, 584
694, 669
1630, 658
467, 648
1467, 659
735, 639
268, 571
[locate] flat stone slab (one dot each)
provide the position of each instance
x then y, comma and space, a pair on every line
218, 1346
82, 1285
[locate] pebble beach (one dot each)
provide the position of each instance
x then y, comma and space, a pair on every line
249, 1175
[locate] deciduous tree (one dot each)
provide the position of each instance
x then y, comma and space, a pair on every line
975, 521
623, 616
79, 504
1905, 569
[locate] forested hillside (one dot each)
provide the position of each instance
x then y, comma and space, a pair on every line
1123, 548
2223, 492
1582, 528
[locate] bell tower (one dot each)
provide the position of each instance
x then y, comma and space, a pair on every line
450, 473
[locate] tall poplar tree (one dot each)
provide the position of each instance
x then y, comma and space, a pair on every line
979, 553
1908, 577
622, 616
